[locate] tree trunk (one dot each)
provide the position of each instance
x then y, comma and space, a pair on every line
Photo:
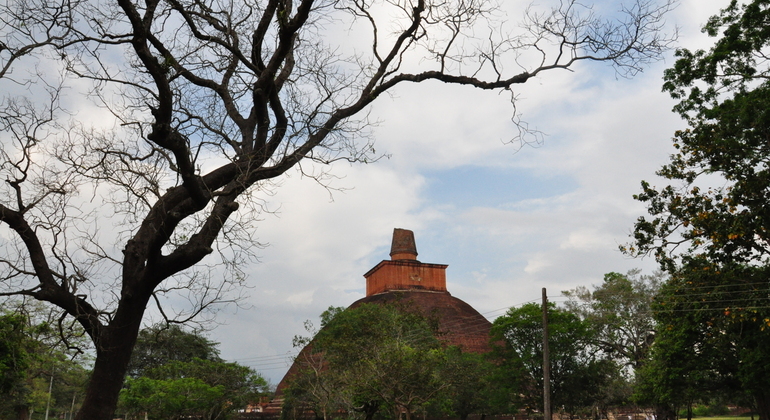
370, 409
22, 412
762, 400
114, 346
664, 412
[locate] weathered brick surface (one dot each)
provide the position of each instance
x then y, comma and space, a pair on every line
405, 275
459, 323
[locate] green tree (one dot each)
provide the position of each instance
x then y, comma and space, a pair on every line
378, 357
509, 379
33, 358
161, 344
723, 97
315, 387
579, 371
619, 310
469, 384
205, 388
709, 346
715, 239
14, 362
213, 100
169, 399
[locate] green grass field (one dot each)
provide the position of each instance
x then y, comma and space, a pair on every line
726, 417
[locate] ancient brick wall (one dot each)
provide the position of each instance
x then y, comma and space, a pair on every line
405, 275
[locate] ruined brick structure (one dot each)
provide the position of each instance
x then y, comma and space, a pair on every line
404, 278
403, 272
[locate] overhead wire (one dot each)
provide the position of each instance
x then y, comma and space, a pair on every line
285, 360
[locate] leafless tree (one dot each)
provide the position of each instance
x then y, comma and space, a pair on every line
211, 100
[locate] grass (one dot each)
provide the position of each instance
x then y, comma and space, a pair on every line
725, 417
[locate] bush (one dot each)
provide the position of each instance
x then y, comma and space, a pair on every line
703, 410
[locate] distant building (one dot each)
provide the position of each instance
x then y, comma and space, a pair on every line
404, 278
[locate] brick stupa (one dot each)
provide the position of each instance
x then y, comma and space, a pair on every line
402, 278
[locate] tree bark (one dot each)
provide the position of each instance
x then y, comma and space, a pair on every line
664, 412
22, 413
762, 399
113, 353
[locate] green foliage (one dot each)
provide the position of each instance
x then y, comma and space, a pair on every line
371, 358
178, 373
469, 383
703, 410
619, 312
710, 345
170, 399
508, 379
724, 98
14, 361
715, 241
30, 355
161, 344
579, 372
205, 388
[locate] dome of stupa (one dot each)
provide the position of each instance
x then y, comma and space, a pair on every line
423, 286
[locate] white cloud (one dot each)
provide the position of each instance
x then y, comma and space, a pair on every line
585, 240
537, 264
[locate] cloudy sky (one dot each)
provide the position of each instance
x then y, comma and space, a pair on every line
508, 221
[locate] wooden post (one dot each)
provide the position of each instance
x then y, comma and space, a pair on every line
546, 362
50, 389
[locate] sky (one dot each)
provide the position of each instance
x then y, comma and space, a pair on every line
507, 220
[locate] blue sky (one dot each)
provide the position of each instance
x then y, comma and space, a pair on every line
499, 187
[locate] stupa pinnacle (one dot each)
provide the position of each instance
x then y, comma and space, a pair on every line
403, 272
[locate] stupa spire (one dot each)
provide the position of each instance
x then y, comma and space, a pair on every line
403, 246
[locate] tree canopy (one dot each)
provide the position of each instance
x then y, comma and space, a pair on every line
160, 344
580, 373
202, 388
176, 373
374, 357
723, 95
620, 312
708, 346
709, 227
38, 372
204, 104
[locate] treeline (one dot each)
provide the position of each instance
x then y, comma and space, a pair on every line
640, 342
389, 361
174, 373
41, 369
623, 345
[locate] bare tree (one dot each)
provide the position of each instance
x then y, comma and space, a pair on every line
211, 100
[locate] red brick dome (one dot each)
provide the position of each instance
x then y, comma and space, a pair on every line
421, 286
459, 324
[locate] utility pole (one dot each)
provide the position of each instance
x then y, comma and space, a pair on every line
72, 407
546, 362
50, 388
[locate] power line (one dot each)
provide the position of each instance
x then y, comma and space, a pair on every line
472, 325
